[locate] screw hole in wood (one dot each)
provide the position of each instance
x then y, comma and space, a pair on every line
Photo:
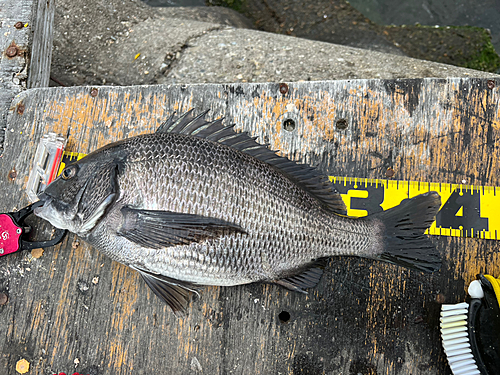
289, 125
284, 317
341, 124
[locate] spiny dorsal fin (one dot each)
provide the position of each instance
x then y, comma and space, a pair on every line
318, 185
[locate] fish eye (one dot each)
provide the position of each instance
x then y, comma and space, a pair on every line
68, 172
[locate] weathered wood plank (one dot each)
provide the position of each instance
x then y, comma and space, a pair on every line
25, 49
41, 46
364, 316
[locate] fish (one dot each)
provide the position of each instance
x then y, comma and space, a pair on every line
197, 203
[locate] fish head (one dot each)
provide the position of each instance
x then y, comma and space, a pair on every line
79, 198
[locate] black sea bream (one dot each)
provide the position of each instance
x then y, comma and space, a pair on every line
197, 204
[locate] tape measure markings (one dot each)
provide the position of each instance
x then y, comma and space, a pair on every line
466, 210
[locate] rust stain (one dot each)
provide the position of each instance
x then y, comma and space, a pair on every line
12, 175
20, 108
81, 114
369, 112
471, 260
14, 50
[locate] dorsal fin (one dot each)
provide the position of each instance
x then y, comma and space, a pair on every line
316, 184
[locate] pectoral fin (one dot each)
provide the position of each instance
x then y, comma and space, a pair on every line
157, 229
175, 293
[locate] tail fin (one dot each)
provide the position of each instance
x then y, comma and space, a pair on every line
404, 241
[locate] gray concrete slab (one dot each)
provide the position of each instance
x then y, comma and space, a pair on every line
336, 21
236, 55
149, 50
97, 43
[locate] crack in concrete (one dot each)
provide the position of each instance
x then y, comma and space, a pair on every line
173, 57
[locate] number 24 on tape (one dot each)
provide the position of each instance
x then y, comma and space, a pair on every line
466, 211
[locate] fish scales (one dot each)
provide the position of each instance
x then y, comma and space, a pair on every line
285, 226
198, 204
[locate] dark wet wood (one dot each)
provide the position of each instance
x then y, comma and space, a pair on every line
364, 317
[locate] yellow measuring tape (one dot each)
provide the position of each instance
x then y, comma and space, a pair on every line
466, 210
68, 158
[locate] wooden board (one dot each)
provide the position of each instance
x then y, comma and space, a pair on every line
41, 45
364, 317
25, 49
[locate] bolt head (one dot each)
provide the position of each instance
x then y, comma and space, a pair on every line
12, 174
11, 51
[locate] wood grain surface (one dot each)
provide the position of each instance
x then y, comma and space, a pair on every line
73, 309
25, 49
41, 44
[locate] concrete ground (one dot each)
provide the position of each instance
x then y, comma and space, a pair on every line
126, 42
338, 22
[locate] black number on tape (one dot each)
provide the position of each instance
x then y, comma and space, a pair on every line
372, 203
462, 212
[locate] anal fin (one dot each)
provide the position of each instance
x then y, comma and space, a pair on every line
306, 277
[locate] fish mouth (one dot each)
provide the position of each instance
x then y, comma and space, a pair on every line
44, 201
46, 210
42, 208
